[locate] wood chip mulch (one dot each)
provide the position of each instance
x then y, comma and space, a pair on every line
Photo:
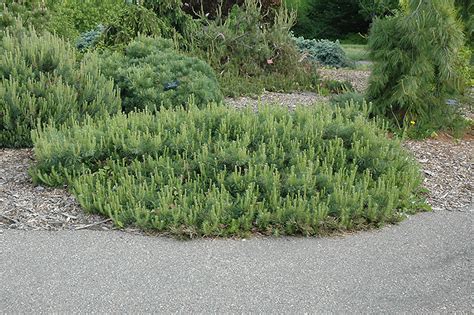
26, 206
448, 169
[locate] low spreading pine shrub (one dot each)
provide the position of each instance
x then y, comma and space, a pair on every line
347, 98
219, 171
32, 13
40, 81
324, 52
150, 73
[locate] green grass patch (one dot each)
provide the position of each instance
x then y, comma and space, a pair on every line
356, 52
224, 172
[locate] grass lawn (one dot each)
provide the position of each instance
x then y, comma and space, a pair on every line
356, 52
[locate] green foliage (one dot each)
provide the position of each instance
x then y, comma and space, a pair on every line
131, 21
324, 52
337, 87
378, 8
90, 39
70, 18
447, 119
150, 73
31, 13
347, 98
415, 54
245, 45
223, 172
178, 24
331, 19
213, 8
41, 82
339, 19
466, 12
465, 68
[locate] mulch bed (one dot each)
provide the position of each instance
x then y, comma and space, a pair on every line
448, 168
28, 207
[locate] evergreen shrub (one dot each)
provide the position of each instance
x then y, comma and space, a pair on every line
150, 73
41, 82
324, 52
245, 45
347, 98
71, 18
219, 172
32, 13
88, 40
131, 21
415, 54
178, 24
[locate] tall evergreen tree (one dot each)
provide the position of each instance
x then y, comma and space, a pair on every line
415, 53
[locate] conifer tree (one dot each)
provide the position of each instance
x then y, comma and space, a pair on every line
415, 53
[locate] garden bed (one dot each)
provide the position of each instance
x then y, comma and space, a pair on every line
447, 166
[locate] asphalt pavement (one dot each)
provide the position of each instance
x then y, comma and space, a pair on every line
423, 265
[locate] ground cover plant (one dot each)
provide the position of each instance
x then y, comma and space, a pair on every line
41, 81
221, 172
324, 52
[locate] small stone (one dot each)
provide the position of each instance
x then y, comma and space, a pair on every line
39, 188
429, 173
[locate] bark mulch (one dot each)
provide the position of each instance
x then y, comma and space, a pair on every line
26, 206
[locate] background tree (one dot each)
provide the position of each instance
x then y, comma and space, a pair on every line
466, 13
338, 18
377, 8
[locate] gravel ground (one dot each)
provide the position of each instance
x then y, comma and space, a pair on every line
290, 100
358, 78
